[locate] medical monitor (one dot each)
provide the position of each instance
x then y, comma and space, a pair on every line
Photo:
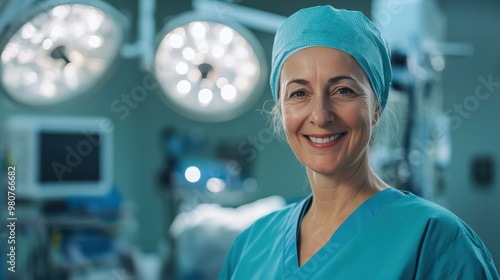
57, 157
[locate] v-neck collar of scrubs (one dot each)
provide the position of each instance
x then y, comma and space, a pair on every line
347, 230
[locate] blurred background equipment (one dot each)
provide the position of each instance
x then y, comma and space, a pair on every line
56, 50
71, 220
60, 156
412, 148
195, 177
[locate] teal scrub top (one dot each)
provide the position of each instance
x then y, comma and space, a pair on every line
392, 235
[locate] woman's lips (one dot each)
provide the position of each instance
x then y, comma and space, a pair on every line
324, 141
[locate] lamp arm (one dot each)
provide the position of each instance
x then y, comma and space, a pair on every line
433, 47
144, 46
253, 18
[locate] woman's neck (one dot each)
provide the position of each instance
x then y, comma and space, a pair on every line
337, 196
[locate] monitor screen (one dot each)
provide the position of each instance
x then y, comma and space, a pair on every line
69, 157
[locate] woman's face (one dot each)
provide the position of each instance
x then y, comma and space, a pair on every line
328, 109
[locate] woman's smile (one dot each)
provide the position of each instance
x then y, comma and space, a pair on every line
322, 141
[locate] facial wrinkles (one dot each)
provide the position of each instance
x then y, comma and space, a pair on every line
317, 82
365, 107
317, 71
345, 64
364, 131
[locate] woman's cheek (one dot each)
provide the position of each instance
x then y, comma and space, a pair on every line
289, 121
363, 113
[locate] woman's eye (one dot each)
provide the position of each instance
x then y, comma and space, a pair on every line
345, 91
298, 93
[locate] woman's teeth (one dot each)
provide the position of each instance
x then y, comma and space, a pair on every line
325, 139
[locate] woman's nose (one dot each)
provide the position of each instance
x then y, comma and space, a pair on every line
321, 112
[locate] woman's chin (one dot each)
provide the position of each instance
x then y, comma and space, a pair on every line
323, 170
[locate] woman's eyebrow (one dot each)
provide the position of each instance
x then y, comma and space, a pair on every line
337, 79
332, 80
298, 81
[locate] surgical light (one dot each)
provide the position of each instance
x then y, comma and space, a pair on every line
60, 50
209, 70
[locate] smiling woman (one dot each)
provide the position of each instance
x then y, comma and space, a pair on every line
330, 79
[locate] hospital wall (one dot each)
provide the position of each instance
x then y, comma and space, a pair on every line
476, 131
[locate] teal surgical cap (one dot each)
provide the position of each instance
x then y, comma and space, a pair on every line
347, 31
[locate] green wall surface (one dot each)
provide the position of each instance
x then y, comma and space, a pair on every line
476, 126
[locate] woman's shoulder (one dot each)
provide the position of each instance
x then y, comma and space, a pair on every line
446, 241
422, 208
439, 222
